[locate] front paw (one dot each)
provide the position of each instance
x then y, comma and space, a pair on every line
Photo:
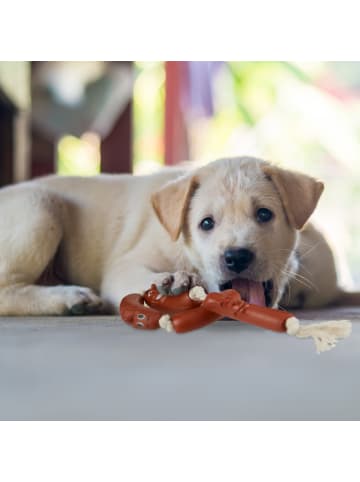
178, 282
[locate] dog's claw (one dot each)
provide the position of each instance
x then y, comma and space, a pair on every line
177, 283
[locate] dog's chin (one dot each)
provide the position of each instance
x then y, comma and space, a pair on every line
261, 293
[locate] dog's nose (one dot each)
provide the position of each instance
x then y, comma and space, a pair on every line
238, 259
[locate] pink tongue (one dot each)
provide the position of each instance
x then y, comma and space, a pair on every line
250, 291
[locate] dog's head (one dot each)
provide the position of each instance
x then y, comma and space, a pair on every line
239, 220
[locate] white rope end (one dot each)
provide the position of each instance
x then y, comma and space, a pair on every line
166, 324
197, 293
292, 326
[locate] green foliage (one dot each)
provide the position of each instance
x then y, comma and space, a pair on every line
148, 112
80, 156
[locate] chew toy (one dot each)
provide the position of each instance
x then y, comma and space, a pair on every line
195, 309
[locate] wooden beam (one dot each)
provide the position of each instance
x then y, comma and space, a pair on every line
7, 116
116, 148
43, 154
176, 138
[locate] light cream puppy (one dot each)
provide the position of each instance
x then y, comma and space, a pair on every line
110, 235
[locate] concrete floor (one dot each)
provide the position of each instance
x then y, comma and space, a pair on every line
94, 368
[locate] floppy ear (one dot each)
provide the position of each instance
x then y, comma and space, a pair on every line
171, 203
299, 193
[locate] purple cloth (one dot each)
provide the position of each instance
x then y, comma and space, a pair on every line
199, 96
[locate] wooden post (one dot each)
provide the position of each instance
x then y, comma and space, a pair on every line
43, 154
176, 139
43, 147
116, 148
7, 116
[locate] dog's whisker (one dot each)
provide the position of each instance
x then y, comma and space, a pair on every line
304, 268
301, 279
303, 255
280, 250
288, 292
294, 274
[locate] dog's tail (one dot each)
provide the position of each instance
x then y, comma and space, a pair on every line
347, 298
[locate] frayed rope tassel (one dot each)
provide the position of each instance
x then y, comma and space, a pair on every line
325, 334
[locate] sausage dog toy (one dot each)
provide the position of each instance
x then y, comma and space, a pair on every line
195, 309
144, 311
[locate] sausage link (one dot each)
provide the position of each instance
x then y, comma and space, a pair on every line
229, 303
169, 303
193, 319
133, 312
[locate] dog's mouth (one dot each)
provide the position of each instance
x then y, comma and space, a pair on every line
254, 292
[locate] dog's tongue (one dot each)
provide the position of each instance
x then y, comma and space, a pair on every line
250, 291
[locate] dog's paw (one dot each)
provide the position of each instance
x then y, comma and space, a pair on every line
178, 282
81, 301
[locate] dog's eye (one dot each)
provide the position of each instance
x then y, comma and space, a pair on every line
207, 224
263, 215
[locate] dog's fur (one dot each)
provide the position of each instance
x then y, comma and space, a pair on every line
106, 236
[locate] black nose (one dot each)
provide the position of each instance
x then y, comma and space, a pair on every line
238, 259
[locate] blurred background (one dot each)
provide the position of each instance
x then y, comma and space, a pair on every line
83, 118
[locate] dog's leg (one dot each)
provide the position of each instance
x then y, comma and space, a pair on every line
23, 299
30, 233
123, 278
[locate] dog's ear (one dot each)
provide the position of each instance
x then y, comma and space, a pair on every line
171, 203
299, 193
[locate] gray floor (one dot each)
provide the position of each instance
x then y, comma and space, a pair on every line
101, 369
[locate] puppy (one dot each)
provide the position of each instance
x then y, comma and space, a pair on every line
232, 223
